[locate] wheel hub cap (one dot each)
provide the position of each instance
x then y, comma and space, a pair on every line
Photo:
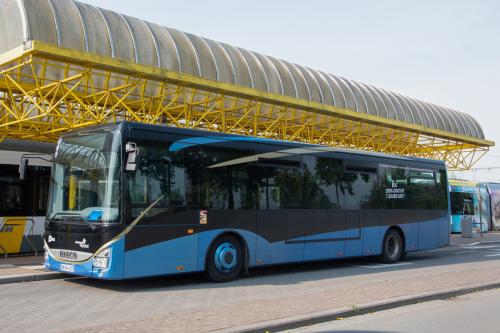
226, 257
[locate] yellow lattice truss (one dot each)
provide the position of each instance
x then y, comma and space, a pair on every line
46, 91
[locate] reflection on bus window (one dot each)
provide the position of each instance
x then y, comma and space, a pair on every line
86, 178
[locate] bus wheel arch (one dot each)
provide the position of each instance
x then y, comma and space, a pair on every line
226, 257
393, 245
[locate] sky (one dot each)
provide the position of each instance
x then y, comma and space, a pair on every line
444, 52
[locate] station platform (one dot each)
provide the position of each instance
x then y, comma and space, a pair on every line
25, 269
490, 236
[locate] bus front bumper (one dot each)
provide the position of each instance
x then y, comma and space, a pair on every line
112, 271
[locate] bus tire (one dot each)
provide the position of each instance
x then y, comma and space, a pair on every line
392, 247
225, 259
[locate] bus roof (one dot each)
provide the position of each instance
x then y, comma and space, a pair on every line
127, 125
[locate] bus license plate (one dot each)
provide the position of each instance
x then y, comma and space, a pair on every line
68, 268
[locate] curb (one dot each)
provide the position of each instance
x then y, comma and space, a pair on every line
31, 277
352, 311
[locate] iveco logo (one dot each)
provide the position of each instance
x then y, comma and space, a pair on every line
68, 255
83, 244
51, 239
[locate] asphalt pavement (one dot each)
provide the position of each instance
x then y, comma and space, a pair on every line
268, 298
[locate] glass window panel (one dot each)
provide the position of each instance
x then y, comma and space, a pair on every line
159, 181
42, 194
219, 178
361, 188
285, 188
393, 188
85, 178
14, 199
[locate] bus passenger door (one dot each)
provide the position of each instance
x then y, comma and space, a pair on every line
280, 217
354, 243
324, 190
164, 239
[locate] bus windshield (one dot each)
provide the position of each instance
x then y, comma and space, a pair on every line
85, 178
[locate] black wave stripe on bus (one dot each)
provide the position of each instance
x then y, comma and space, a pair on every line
276, 226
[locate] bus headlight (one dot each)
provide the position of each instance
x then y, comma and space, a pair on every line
101, 260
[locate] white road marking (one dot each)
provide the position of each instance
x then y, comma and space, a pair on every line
493, 255
7, 266
481, 247
32, 267
377, 266
490, 241
463, 252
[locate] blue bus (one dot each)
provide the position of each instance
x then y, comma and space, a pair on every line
131, 200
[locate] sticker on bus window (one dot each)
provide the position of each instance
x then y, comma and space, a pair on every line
203, 217
394, 192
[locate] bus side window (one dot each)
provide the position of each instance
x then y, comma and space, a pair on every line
284, 187
13, 193
422, 190
226, 188
278, 186
362, 186
217, 179
427, 189
394, 176
160, 176
41, 191
393, 187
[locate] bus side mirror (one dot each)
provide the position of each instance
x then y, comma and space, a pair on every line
132, 154
23, 166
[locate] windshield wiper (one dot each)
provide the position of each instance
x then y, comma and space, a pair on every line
90, 225
59, 213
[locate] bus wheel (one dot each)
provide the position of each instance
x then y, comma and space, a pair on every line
392, 247
225, 259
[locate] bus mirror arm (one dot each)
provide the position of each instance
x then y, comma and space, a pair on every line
132, 153
23, 164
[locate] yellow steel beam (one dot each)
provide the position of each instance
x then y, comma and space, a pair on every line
94, 89
157, 74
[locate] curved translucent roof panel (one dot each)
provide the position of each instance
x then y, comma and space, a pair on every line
74, 25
